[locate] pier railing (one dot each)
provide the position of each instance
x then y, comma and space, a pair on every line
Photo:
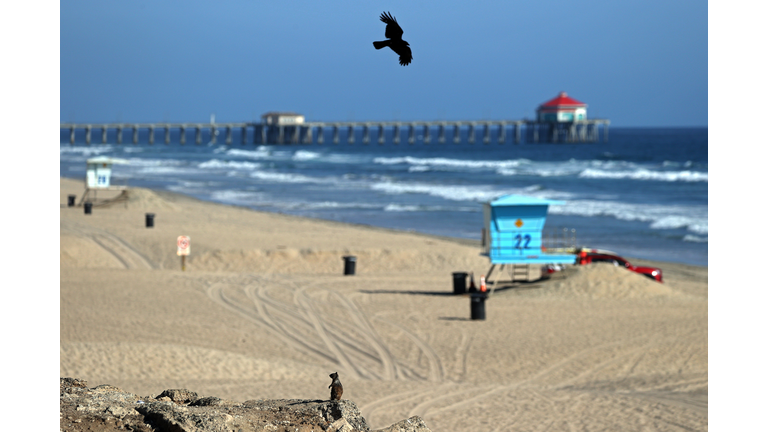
485, 131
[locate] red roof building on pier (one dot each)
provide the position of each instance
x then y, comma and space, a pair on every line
562, 109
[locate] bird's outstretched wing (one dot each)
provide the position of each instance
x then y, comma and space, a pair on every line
393, 30
404, 52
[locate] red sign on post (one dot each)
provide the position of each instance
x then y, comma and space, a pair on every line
183, 245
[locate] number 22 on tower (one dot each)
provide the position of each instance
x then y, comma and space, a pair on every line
522, 238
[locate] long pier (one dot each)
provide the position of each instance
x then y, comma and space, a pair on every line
317, 132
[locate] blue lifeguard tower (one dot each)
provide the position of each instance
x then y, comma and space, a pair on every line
512, 234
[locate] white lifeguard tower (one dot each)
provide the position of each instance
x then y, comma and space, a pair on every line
98, 176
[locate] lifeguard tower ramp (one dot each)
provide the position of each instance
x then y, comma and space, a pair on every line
98, 176
512, 234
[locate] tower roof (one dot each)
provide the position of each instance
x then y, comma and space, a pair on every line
520, 200
562, 100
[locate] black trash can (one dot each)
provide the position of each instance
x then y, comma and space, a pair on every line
71, 200
349, 265
149, 220
88, 206
459, 282
477, 305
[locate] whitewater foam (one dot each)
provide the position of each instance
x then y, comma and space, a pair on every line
261, 152
237, 197
303, 155
475, 193
219, 164
645, 174
446, 162
692, 218
286, 178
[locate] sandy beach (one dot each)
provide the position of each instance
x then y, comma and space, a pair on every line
264, 311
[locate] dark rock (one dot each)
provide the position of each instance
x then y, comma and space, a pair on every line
107, 408
210, 401
413, 424
179, 396
67, 384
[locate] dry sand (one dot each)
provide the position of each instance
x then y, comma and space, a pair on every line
263, 311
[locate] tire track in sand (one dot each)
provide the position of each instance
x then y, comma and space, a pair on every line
436, 372
566, 363
116, 246
336, 331
259, 316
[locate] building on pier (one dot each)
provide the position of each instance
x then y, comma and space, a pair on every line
282, 118
564, 119
275, 125
561, 109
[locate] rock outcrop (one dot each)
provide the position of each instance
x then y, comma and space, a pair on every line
107, 408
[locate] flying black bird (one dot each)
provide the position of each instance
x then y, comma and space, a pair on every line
394, 33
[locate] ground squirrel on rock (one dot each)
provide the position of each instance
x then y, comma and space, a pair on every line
336, 388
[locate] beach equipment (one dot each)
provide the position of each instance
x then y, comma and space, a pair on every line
477, 305
349, 265
512, 235
459, 282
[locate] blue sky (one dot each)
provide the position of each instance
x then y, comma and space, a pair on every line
638, 63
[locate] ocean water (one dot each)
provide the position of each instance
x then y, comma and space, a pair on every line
643, 194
